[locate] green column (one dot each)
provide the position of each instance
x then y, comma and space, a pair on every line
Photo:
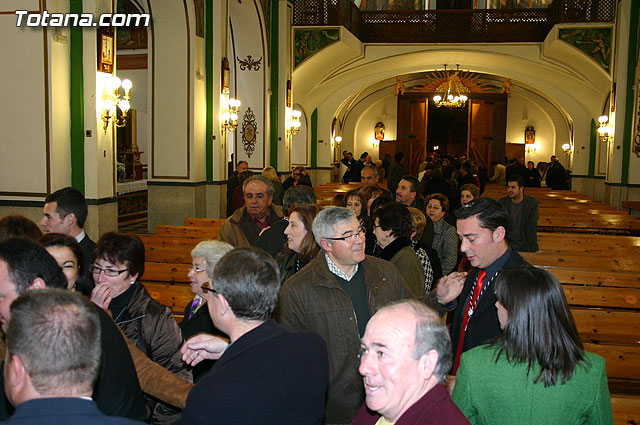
77, 100
314, 138
273, 146
631, 67
209, 96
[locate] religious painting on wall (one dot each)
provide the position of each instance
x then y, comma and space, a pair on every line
518, 4
105, 50
391, 5
131, 37
308, 42
379, 131
594, 42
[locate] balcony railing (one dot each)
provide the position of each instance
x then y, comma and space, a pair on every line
450, 26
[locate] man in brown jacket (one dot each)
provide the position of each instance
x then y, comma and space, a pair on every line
336, 295
244, 226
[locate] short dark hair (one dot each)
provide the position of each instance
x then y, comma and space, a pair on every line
364, 155
490, 213
413, 182
384, 198
120, 248
240, 162
251, 290
396, 217
70, 200
299, 194
516, 178
57, 336
399, 156
83, 285
467, 166
27, 260
18, 226
540, 330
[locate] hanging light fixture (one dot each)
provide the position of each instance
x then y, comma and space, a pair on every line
451, 93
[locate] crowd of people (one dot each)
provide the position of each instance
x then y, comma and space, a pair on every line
302, 314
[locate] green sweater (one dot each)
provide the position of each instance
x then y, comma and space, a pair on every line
500, 393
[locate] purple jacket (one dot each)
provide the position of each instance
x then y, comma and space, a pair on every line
434, 408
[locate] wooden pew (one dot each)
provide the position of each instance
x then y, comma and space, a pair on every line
204, 232
626, 409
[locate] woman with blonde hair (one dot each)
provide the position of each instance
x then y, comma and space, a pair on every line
278, 190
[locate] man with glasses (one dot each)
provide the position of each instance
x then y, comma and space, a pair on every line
336, 294
267, 374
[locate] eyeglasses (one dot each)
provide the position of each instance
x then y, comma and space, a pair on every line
206, 289
350, 238
196, 269
95, 269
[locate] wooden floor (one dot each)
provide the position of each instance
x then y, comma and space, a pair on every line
592, 248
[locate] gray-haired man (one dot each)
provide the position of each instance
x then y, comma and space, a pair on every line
336, 294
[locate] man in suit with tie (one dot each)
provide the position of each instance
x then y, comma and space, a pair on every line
65, 211
53, 357
482, 227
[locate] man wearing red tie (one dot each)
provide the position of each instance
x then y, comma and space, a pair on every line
482, 226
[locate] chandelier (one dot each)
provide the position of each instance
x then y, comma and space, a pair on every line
452, 92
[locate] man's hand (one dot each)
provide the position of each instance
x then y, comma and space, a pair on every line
203, 347
102, 295
450, 286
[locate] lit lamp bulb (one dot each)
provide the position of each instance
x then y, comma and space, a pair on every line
124, 105
108, 104
566, 146
225, 116
126, 85
114, 83
450, 97
437, 98
338, 139
464, 98
603, 119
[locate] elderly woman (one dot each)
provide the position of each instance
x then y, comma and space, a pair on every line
392, 228
68, 254
445, 238
278, 190
538, 363
117, 268
196, 319
301, 246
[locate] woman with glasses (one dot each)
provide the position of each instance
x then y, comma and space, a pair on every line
196, 316
117, 268
68, 254
538, 363
392, 228
301, 246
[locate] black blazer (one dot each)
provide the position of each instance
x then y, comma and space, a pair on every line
268, 376
64, 411
484, 324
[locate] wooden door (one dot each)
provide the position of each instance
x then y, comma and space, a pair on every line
480, 139
412, 131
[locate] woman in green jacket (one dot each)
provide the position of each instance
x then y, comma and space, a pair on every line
537, 372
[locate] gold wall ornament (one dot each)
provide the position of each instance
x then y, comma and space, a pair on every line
249, 132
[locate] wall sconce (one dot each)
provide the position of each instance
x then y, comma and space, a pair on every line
111, 99
230, 114
567, 149
531, 147
338, 139
605, 131
293, 121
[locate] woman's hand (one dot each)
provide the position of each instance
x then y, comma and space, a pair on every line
102, 295
203, 347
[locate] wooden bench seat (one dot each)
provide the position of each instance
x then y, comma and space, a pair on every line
203, 232
626, 409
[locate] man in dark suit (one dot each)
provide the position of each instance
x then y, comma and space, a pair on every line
65, 211
267, 374
26, 266
482, 227
53, 345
